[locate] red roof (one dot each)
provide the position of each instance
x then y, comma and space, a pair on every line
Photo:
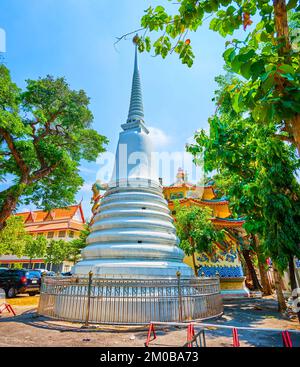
57, 219
37, 216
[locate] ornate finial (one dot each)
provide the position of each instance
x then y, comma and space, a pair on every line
135, 39
136, 110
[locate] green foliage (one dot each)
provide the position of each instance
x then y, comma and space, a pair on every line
195, 229
36, 247
44, 135
56, 252
257, 171
228, 16
17, 266
75, 246
13, 237
266, 60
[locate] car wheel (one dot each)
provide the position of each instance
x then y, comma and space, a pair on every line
11, 292
32, 294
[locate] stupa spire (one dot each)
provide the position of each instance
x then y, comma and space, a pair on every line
136, 110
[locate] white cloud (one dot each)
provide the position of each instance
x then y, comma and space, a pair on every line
159, 137
86, 170
86, 187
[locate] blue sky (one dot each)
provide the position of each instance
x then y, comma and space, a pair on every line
75, 39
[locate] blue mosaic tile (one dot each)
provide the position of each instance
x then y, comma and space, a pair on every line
224, 272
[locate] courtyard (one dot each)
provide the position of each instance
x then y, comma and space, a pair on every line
27, 329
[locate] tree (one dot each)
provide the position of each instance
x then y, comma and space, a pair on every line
75, 246
267, 58
196, 231
56, 252
257, 171
247, 254
13, 238
36, 247
44, 134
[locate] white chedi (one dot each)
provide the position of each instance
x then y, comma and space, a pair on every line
133, 232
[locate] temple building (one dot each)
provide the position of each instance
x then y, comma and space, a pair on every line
224, 260
57, 224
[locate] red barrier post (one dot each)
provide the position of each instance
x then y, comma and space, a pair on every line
235, 335
286, 338
7, 307
190, 333
151, 330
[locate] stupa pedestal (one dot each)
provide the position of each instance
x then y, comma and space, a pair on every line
133, 235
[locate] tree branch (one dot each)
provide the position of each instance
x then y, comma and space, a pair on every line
41, 173
17, 156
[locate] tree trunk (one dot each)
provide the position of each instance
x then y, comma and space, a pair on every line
194, 265
293, 281
295, 123
266, 286
9, 205
280, 298
282, 30
256, 285
281, 25
297, 273
194, 256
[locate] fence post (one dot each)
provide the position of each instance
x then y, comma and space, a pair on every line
178, 274
88, 299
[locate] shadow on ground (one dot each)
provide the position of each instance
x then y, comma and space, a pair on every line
256, 313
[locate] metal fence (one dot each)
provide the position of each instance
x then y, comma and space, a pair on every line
128, 300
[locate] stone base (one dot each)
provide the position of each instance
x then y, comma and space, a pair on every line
130, 301
133, 310
234, 288
132, 268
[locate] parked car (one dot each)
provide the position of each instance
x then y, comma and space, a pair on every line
46, 272
67, 274
15, 281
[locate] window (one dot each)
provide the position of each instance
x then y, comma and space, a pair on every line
50, 235
40, 234
178, 195
61, 234
71, 234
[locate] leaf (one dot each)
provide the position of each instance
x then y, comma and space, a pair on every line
244, 57
246, 70
229, 54
291, 4
236, 102
159, 9
257, 68
236, 64
269, 81
286, 69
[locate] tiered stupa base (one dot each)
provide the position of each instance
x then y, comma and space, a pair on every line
133, 235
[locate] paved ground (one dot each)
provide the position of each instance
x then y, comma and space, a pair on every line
26, 329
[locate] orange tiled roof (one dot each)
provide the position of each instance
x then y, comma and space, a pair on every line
55, 214
55, 227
